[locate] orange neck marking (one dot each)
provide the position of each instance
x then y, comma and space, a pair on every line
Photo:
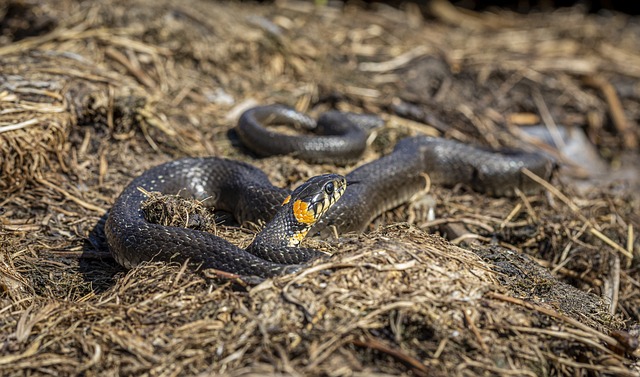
286, 200
302, 213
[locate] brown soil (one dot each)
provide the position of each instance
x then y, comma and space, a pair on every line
93, 93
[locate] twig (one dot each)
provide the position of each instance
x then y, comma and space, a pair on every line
549, 122
629, 244
496, 371
552, 313
555, 192
71, 197
453, 15
616, 110
610, 242
606, 369
574, 208
475, 331
440, 349
527, 204
469, 236
575, 335
181, 272
463, 220
21, 227
396, 62
139, 74
17, 126
511, 215
417, 367
630, 239
612, 286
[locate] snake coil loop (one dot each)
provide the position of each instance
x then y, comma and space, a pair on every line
246, 192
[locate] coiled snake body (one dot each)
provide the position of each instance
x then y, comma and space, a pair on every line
247, 193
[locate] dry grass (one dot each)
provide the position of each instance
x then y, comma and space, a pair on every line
421, 305
102, 91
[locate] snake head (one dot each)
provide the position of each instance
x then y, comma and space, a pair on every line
314, 197
300, 211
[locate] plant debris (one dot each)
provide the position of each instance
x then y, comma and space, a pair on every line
174, 210
94, 93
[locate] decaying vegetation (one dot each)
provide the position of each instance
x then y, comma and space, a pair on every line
93, 93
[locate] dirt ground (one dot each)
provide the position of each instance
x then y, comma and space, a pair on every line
94, 93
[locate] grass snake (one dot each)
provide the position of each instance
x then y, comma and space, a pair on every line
246, 192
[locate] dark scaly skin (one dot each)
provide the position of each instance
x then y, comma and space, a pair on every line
231, 186
340, 138
383, 184
391, 180
246, 192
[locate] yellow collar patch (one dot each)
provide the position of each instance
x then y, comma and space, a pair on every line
297, 238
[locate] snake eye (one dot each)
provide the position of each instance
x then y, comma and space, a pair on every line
329, 188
